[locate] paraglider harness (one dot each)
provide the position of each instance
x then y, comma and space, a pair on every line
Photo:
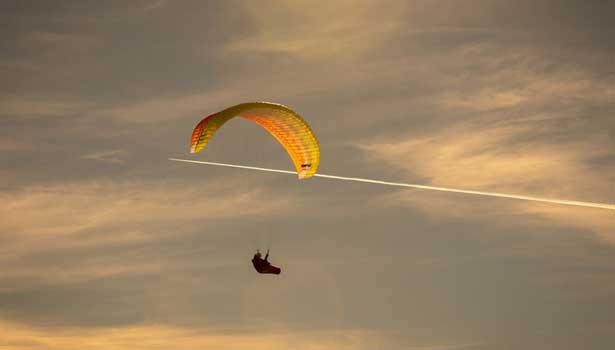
263, 265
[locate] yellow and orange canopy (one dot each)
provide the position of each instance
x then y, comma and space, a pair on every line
291, 131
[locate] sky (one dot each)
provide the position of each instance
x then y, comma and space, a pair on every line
106, 244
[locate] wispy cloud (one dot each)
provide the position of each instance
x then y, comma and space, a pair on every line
22, 106
113, 156
105, 245
316, 32
157, 336
156, 4
510, 158
81, 215
514, 128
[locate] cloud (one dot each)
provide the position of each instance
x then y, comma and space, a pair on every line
335, 29
156, 4
32, 106
157, 336
511, 158
506, 96
279, 86
113, 157
55, 40
168, 108
522, 124
79, 216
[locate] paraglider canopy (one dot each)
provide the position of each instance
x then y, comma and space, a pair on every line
284, 124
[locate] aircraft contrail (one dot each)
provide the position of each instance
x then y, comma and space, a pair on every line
423, 187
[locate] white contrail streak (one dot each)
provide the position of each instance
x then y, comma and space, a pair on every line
423, 187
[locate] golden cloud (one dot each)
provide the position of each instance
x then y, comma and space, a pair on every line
83, 214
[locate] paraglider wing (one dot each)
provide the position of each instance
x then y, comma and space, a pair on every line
291, 131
